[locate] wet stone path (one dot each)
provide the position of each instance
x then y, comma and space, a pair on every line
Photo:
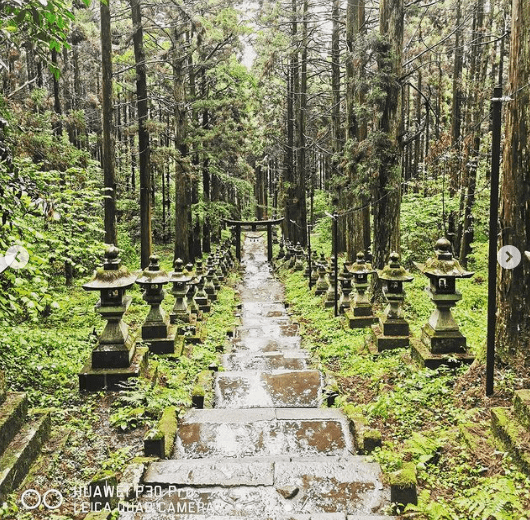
267, 450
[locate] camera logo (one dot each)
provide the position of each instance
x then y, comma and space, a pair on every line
32, 499
16, 257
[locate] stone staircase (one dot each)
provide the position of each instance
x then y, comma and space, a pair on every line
20, 439
267, 450
512, 427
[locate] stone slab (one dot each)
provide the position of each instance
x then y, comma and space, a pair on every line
162, 345
287, 360
512, 434
235, 416
12, 415
258, 503
309, 414
261, 438
334, 486
521, 404
249, 389
205, 472
369, 517
266, 344
22, 452
360, 322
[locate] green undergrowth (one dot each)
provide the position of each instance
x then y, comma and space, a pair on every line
420, 412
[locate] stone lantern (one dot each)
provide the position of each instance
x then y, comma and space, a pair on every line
115, 357
155, 329
201, 297
345, 279
322, 284
441, 334
179, 280
361, 314
330, 293
299, 258
392, 330
209, 285
281, 252
314, 268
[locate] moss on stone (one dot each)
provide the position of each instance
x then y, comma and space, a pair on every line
198, 390
168, 426
404, 477
154, 435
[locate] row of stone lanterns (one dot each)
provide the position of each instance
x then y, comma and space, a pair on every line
116, 356
441, 338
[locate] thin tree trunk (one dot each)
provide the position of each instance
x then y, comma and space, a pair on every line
108, 164
143, 134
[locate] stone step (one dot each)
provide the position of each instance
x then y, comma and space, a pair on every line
260, 432
513, 435
278, 388
266, 328
521, 404
12, 415
324, 485
22, 452
275, 360
266, 344
258, 471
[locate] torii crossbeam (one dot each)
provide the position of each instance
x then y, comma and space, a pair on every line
254, 225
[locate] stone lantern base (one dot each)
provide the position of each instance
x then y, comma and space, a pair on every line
96, 379
443, 341
425, 358
160, 336
360, 316
388, 334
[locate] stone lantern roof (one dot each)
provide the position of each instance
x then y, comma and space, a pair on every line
393, 271
153, 274
112, 275
360, 266
443, 264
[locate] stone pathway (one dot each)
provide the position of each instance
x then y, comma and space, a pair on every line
267, 450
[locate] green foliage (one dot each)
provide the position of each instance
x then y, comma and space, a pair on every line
55, 215
44, 23
422, 224
44, 361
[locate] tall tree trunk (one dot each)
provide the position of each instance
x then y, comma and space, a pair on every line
476, 97
387, 193
182, 182
336, 130
301, 168
513, 294
57, 124
143, 134
358, 223
289, 173
456, 116
107, 126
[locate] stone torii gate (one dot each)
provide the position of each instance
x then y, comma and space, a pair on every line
253, 224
